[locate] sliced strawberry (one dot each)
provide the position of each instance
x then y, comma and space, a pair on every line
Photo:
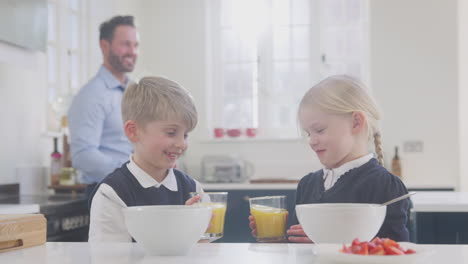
355, 242
364, 249
371, 246
410, 251
346, 249
393, 251
387, 242
379, 250
377, 241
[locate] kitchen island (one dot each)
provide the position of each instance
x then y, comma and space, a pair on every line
216, 253
440, 218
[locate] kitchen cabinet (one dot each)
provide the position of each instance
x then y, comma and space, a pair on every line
236, 226
440, 218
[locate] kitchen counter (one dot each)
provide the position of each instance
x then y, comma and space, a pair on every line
19, 208
249, 186
67, 215
216, 253
440, 202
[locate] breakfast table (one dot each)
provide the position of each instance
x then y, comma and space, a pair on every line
217, 253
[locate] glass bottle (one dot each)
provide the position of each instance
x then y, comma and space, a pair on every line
396, 164
55, 164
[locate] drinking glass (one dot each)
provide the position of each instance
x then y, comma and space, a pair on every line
270, 216
217, 201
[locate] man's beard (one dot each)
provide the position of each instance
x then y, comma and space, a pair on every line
117, 63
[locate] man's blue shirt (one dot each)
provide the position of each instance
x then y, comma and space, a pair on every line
98, 143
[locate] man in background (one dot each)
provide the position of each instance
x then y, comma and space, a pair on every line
98, 143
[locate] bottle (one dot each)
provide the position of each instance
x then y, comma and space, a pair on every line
396, 164
55, 165
65, 144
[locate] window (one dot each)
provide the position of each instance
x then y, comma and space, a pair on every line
264, 55
65, 60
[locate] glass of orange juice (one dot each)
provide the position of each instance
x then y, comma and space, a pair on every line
217, 201
270, 216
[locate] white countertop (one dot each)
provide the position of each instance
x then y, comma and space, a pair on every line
216, 253
19, 208
440, 202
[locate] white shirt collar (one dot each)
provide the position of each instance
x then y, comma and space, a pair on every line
331, 176
146, 181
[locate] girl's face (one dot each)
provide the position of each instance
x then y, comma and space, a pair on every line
159, 144
333, 137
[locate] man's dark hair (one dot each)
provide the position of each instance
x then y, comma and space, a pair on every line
107, 28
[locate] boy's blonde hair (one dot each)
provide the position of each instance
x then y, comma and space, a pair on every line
342, 94
158, 99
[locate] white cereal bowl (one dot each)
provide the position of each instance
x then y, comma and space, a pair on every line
340, 222
167, 229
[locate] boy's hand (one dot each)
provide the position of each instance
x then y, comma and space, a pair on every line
297, 235
193, 200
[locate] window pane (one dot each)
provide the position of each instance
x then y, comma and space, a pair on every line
300, 12
332, 11
226, 13
74, 4
74, 71
291, 79
282, 43
353, 10
236, 49
51, 64
73, 32
301, 42
52, 22
281, 13
239, 86
51, 94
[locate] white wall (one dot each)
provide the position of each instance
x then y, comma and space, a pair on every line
463, 91
22, 109
414, 75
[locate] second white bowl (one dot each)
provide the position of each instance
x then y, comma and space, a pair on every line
340, 222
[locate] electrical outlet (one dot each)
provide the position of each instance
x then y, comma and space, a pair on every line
413, 146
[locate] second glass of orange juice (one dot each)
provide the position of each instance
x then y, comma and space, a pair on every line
270, 216
217, 201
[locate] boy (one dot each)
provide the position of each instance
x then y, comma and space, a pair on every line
157, 114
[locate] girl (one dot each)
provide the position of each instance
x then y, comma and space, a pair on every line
341, 119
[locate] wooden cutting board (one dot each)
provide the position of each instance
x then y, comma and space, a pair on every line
21, 231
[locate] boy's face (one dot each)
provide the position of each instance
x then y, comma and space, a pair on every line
330, 136
159, 144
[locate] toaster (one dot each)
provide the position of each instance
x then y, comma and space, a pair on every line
224, 169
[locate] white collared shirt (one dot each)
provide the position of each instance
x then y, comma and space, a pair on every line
107, 222
331, 176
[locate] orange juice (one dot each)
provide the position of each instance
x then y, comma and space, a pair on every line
270, 221
217, 220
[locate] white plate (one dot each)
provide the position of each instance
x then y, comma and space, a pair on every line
332, 254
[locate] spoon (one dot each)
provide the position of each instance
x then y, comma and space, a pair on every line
399, 198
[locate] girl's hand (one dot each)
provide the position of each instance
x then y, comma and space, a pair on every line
297, 235
193, 200
253, 226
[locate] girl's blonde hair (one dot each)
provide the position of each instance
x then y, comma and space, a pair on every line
158, 99
342, 94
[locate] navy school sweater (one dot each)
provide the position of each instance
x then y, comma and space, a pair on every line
132, 193
369, 183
